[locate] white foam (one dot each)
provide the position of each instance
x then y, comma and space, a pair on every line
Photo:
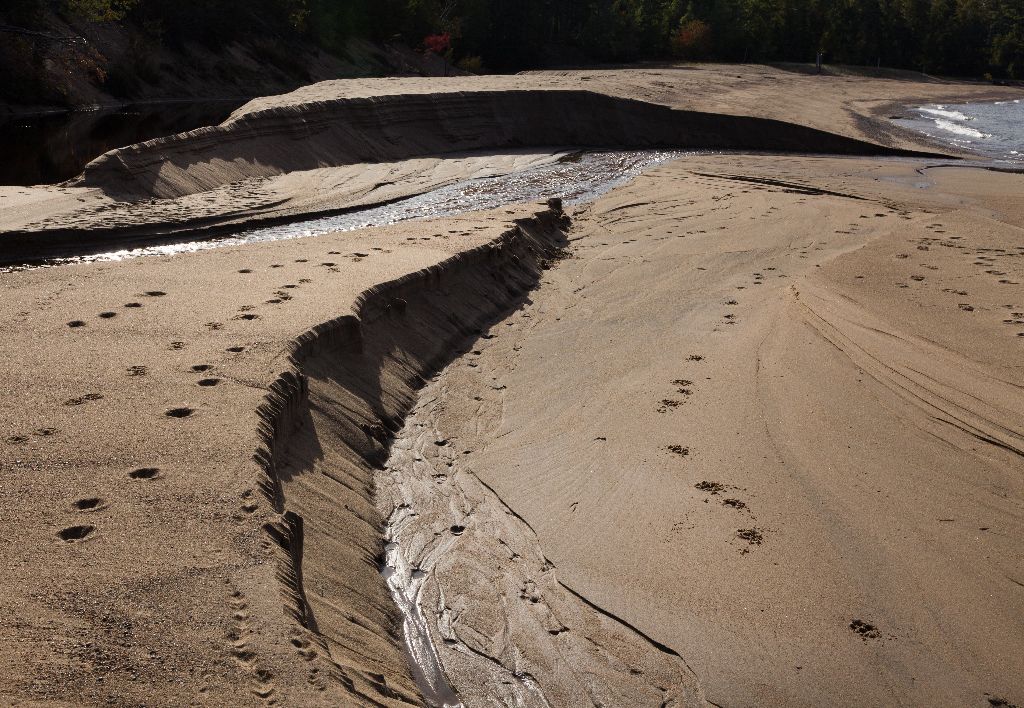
942, 111
951, 127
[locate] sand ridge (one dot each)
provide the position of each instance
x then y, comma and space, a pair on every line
133, 486
292, 155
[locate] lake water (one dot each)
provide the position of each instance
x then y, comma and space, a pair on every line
994, 130
53, 147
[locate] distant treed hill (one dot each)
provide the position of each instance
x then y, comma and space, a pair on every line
951, 37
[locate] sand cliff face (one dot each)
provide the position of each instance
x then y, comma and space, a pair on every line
326, 426
344, 131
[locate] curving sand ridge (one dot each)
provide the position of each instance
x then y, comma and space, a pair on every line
326, 428
135, 490
326, 147
345, 131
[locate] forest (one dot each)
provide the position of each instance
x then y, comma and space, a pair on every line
972, 38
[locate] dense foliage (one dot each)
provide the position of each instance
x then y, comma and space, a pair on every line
955, 37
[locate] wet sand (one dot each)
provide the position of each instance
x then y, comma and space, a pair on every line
746, 431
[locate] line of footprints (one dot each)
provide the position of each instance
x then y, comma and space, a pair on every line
82, 532
684, 387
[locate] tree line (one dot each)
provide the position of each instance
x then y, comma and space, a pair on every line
948, 37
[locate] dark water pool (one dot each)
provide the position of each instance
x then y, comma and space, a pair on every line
44, 149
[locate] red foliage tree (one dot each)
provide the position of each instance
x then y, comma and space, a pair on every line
438, 43
692, 40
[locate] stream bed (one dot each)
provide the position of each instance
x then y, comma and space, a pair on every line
575, 178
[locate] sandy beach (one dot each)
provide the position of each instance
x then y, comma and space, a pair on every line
747, 430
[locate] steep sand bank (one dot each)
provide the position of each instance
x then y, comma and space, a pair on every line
345, 131
307, 152
133, 508
779, 431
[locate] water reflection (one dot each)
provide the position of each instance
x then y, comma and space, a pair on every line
579, 178
53, 147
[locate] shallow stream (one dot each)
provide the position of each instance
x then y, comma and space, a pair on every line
578, 177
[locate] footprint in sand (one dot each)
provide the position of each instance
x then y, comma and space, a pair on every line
154, 293
182, 412
177, 346
144, 473
107, 315
864, 629
83, 399
710, 487
76, 323
235, 350
247, 317
133, 304
753, 537
137, 370
73, 534
209, 382
249, 502
88, 504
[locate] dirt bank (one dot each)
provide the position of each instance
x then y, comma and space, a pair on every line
345, 131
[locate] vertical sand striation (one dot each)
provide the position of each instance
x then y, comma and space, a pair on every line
326, 428
345, 131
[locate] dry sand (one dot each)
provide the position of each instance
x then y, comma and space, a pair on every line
779, 432
755, 438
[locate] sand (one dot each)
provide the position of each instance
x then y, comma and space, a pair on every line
792, 456
745, 431
337, 144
